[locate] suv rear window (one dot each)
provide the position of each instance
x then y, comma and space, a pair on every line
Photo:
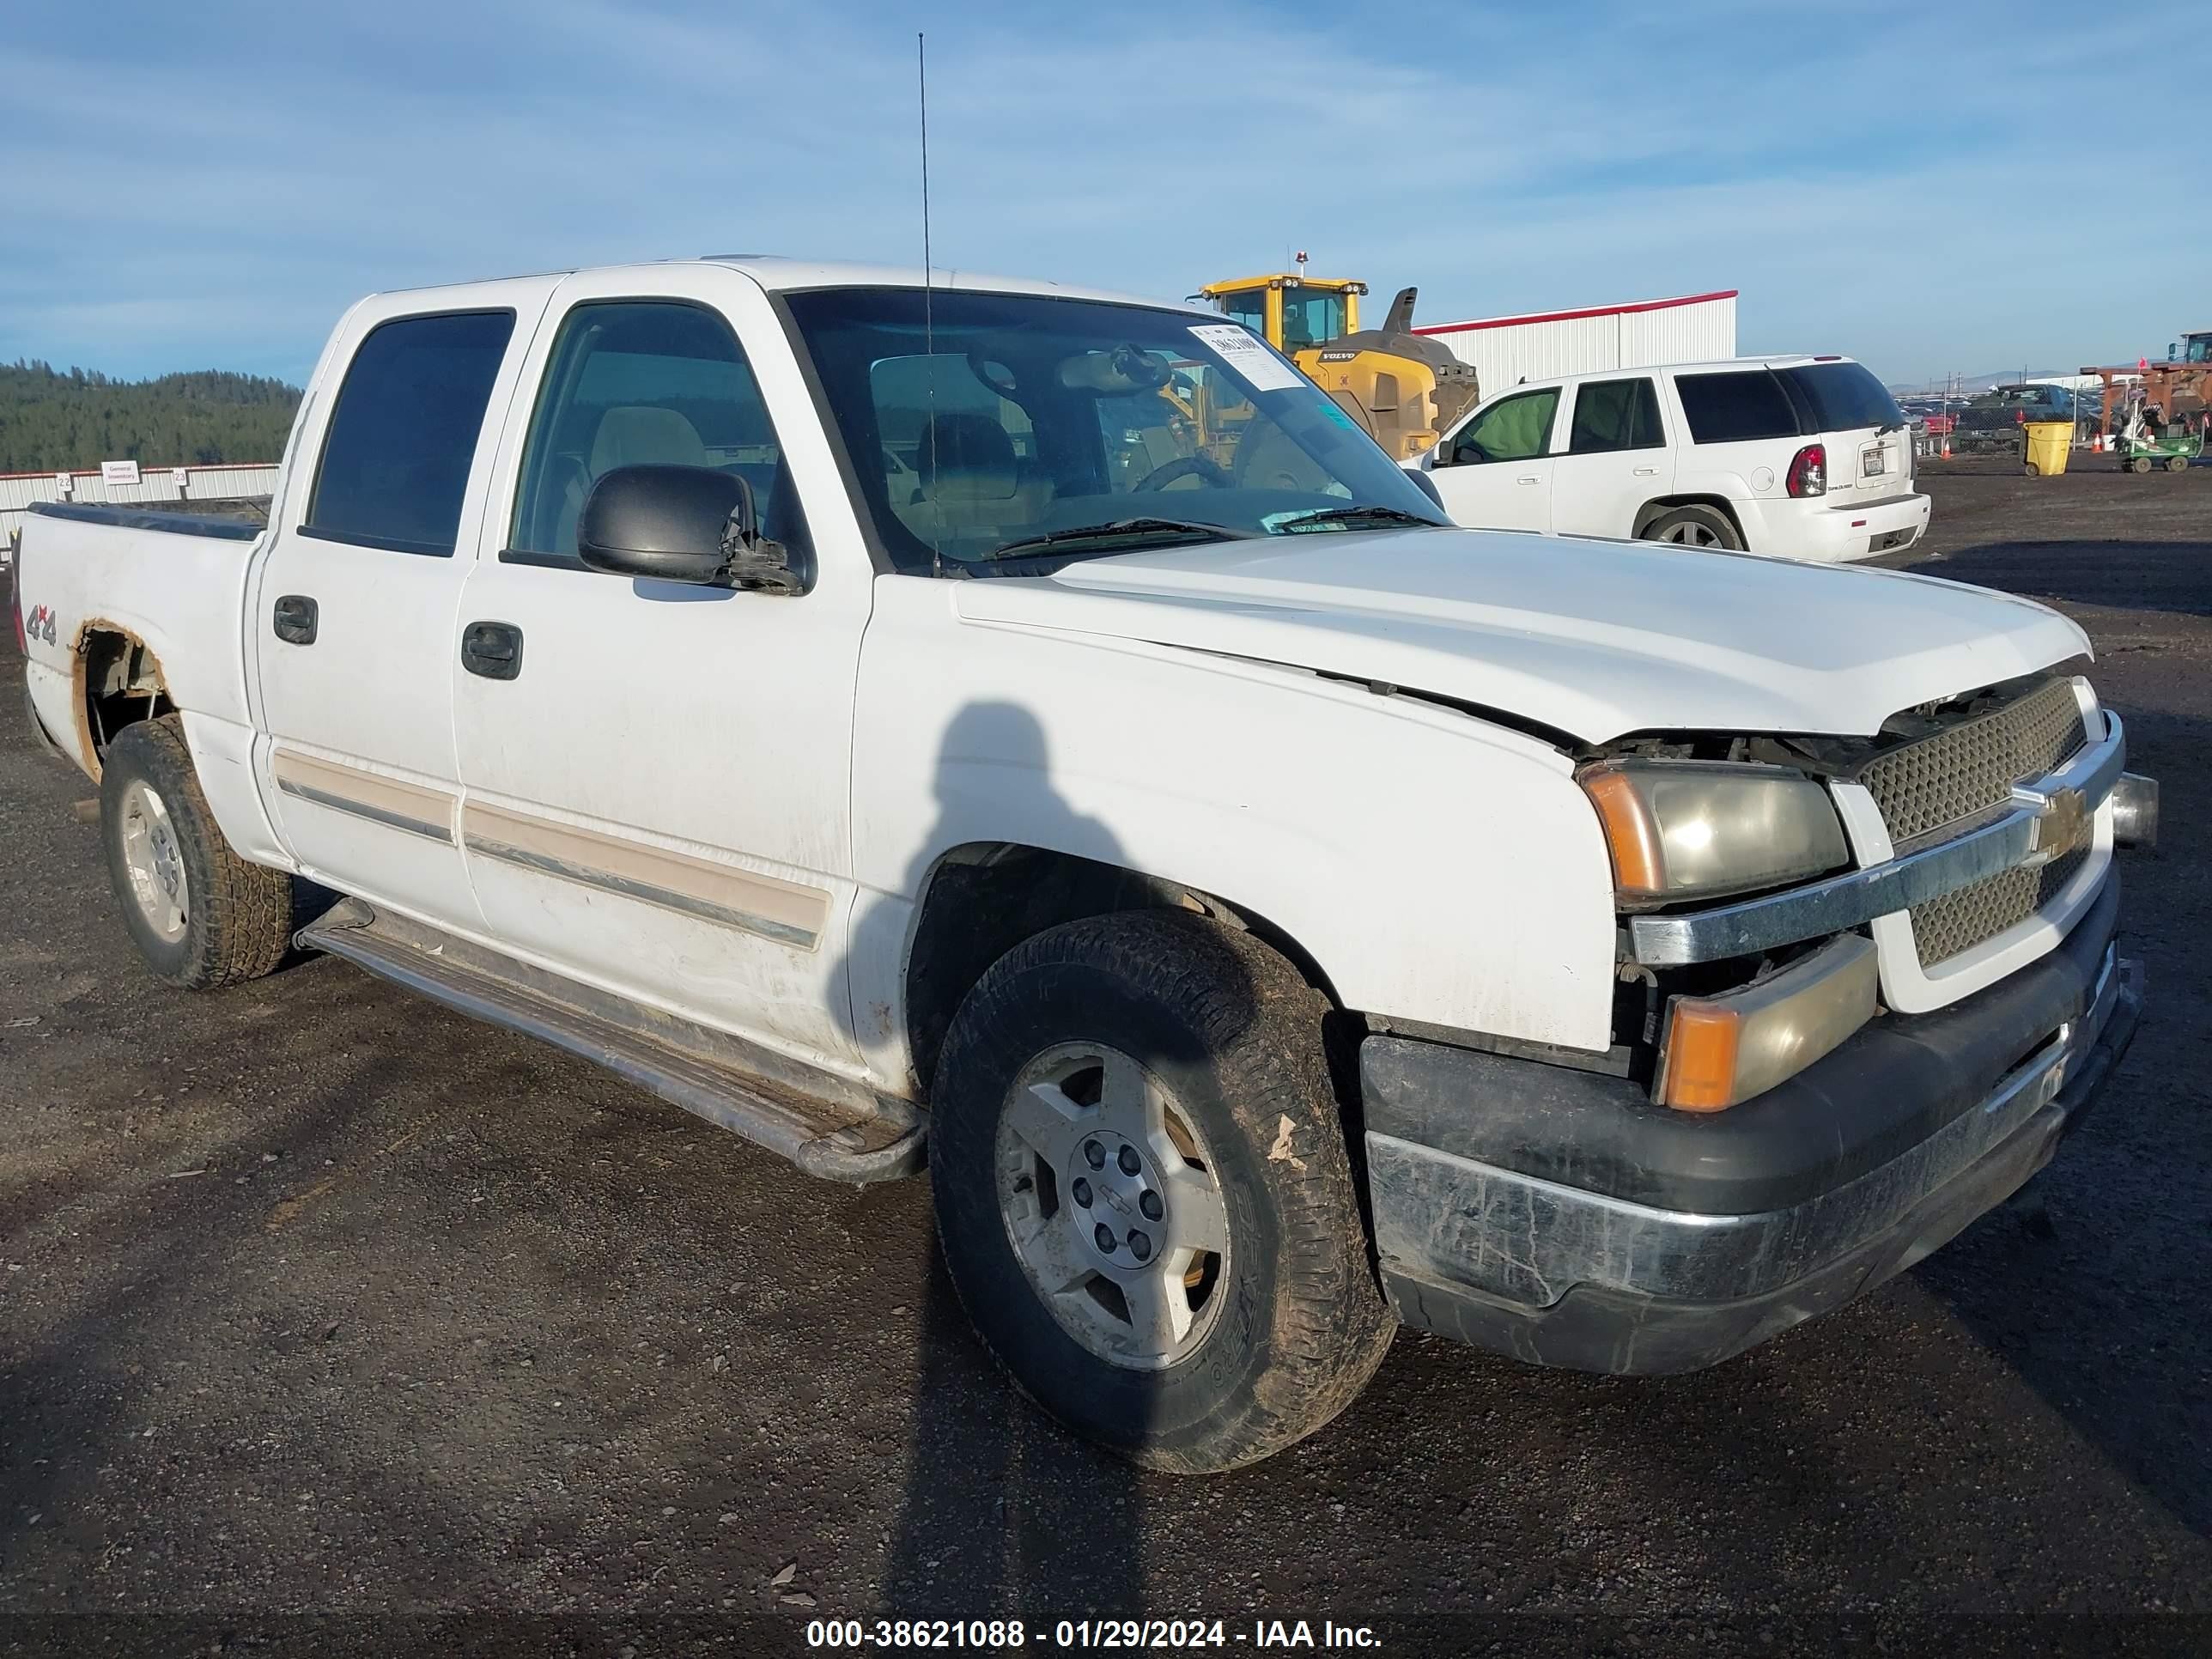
1842, 396
1736, 406
403, 434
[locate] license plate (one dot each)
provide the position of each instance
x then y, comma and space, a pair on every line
1875, 461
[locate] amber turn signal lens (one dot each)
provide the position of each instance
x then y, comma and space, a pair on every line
1638, 867
1721, 1051
1702, 1042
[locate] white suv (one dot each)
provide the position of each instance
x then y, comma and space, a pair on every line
1805, 457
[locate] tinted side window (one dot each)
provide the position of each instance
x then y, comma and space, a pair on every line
639, 382
1729, 408
1516, 429
1842, 396
404, 433
1615, 415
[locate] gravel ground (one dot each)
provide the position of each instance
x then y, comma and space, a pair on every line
332, 1322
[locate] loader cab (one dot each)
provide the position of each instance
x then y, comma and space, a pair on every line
1290, 312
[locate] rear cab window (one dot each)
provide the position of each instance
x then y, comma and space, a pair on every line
1737, 406
402, 434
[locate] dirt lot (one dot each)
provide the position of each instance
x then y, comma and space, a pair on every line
330, 1321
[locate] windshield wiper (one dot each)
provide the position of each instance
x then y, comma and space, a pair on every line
1116, 530
1352, 515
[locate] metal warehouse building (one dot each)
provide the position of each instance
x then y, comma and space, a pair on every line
1694, 328
156, 486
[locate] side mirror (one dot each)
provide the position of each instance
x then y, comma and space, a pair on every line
681, 523
1467, 453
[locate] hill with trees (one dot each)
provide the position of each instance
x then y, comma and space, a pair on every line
54, 418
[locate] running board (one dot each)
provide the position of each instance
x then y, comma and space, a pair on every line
829, 1126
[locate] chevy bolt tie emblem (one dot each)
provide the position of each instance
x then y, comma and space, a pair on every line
2065, 824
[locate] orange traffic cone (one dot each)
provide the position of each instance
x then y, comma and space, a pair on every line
1946, 447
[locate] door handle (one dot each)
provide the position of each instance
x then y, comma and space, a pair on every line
294, 619
1529, 478
492, 650
1647, 472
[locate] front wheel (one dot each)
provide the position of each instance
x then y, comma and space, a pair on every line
2141, 463
2177, 463
201, 915
1694, 526
1144, 1193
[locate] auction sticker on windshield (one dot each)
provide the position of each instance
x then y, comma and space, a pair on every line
1248, 355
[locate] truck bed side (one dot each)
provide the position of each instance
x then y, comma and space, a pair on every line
119, 603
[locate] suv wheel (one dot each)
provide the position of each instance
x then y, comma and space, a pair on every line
1143, 1193
1694, 526
201, 915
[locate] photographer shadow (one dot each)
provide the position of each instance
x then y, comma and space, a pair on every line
1004, 1513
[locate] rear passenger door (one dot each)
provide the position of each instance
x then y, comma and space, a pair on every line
1495, 472
658, 773
1616, 459
352, 623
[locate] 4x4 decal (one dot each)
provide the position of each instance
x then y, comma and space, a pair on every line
39, 623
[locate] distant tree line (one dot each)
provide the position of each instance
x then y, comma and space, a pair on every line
51, 418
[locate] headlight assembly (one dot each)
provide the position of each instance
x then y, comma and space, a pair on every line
1692, 829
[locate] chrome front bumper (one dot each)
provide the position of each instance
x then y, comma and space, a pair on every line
1895, 883
1556, 1272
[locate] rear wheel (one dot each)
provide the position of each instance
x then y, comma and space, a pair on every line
1144, 1193
1694, 526
201, 915
2141, 463
2032, 469
2177, 463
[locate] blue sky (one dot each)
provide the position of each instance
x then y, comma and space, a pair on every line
210, 186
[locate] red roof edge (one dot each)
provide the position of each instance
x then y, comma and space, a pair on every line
1571, 316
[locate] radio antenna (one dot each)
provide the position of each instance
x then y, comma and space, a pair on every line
929, 318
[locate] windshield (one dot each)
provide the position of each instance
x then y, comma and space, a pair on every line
1002, 419
1310, 316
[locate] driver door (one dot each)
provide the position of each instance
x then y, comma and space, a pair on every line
658, 774
1495, 472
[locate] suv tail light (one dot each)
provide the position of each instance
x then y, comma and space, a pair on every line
1808, 472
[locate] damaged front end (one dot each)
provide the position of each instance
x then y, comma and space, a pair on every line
1863, 985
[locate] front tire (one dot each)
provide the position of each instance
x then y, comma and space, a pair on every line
1695, 526
201, 915
1143, 1193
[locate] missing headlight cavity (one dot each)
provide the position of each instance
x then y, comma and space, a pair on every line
1825, 756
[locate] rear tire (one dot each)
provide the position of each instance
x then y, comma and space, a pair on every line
1694, 526
2032, 469
201, 915
2177, 463
2141, 463
1102, 1067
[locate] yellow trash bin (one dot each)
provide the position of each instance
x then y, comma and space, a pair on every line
2045, 444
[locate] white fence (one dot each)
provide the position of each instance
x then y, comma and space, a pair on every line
1695, 328
156, 486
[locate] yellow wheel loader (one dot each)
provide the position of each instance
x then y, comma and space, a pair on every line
1403, 387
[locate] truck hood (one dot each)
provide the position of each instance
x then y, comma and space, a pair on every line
1592, 638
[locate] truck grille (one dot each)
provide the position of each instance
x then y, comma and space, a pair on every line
1944, 926
1968, 769
1971, 767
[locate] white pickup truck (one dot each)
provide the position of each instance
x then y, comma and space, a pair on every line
1033, 730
